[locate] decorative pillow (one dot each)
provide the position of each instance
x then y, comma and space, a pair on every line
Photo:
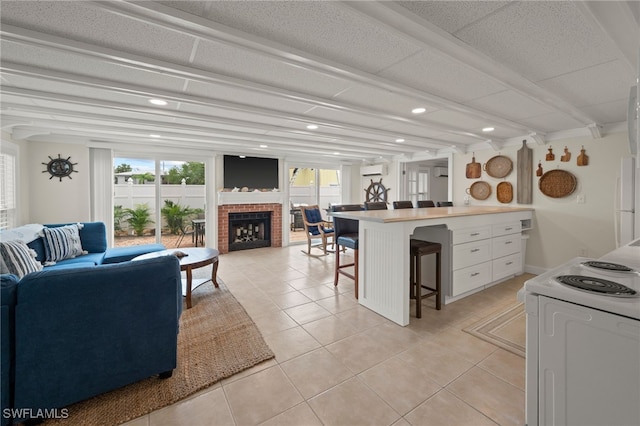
25, 233
17, 259
62, 242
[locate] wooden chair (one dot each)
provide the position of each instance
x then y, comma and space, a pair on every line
346, 235
426, 203
375, 205
315, 227
402, 205
445, 204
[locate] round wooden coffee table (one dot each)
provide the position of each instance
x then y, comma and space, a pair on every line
195, 258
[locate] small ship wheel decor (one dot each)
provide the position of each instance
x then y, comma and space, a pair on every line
60, 167
376, 191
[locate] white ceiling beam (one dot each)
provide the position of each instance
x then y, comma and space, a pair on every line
494, 145
404, 22
186, 23
538, 138
596, 130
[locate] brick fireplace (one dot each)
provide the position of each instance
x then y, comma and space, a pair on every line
223, 221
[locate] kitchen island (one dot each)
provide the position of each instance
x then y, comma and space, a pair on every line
481, 245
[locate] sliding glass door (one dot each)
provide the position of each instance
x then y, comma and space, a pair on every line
311, 186
158, 201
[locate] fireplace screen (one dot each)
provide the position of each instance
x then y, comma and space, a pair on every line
249, 230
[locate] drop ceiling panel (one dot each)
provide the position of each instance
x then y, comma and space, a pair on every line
602, 80
382, 100
511, 105
440, 75
406, 130
452, 15
246, 96
320, 113
57, 60
321, 28
539, 42
552, 122
608, 112
88, 23
263, 69
456, 120
461, 140
88, 94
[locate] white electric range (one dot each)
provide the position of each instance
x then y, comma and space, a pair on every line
583, 342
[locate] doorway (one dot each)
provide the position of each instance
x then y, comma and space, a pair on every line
311, 186
426, 180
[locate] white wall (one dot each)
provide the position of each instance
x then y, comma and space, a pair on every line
563, 229
52, 200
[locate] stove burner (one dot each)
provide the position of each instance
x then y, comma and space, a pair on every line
596, 285
607, 266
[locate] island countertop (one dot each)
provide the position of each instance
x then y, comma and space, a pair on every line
405, 215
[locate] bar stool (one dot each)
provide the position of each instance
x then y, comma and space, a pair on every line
419, 249
346, 234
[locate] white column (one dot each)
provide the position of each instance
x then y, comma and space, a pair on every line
101, 188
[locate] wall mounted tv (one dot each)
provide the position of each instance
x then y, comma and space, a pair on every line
252, 172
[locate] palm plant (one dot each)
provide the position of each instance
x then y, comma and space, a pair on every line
119, 215
139, 218
175, 215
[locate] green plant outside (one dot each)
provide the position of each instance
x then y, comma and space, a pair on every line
175, 215
119, 214
138, 218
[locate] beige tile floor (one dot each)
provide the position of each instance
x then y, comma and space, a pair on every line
338, 363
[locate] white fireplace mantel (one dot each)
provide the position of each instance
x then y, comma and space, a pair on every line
250, 198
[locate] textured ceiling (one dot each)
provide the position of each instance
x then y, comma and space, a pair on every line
242, 75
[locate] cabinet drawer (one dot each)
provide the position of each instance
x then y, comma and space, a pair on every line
508, 244
471, 254
500, 229
471, 234
508, 265
470, 278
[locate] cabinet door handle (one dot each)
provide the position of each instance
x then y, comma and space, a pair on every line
508, 242
509, 263
508, 229
474, 250
475, 274
475, 234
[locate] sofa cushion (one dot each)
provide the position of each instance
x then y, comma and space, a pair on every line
93, 235
63, 242
18, 259
124, 254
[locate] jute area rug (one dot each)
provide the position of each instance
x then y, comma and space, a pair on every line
506, 329
217, 339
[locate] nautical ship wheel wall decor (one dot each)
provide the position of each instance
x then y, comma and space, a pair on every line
376, 191
60, 167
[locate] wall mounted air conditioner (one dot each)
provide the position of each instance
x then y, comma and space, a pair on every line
374, 170
441, 171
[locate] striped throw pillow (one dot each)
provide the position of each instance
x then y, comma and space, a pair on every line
62, 243
17, 258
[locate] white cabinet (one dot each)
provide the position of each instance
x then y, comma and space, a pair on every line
485, 254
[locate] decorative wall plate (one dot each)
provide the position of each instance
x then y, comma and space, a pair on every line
59, 167
479, 190
498, 166
557, 183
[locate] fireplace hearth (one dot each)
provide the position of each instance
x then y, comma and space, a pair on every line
249, 230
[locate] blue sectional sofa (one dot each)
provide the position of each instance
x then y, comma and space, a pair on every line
87, 325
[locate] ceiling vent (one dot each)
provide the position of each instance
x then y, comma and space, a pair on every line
374, 170
441, 171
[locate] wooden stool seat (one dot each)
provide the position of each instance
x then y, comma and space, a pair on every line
419, 248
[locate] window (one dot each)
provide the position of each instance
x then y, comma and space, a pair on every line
8, 191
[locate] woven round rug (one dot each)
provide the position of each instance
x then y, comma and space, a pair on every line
217, 339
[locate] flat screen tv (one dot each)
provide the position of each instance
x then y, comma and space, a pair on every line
252, 172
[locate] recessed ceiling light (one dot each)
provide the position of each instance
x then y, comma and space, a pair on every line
418, 110
264, 146
312, 127
488, 129
154, 136
400, 140
336, 153
158, 102
242, 156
